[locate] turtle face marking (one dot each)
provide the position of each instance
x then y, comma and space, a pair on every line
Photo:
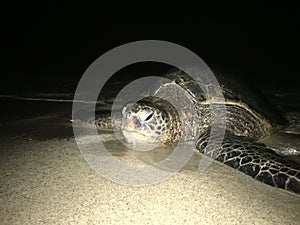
143, 124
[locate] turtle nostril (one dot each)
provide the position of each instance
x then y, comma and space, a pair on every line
128, 115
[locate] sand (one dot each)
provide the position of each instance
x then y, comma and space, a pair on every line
45, 180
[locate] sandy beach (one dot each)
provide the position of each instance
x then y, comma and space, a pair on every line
45, 180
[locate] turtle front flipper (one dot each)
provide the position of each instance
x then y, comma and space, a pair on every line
102, 121
254, 159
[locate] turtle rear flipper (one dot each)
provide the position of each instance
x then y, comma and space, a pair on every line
253, 159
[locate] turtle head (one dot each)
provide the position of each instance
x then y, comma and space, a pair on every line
144, 122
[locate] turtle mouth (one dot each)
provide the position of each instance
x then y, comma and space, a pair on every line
136, 136
135, 130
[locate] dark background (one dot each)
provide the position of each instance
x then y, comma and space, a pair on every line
50, 45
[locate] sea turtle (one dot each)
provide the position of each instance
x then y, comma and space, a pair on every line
249, 118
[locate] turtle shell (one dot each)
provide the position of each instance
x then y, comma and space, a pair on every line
234, 91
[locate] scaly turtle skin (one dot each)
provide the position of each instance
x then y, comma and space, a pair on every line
249, 118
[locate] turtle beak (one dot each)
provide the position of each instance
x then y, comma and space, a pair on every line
133, 124
134, 131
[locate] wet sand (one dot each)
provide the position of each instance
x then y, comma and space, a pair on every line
45, 180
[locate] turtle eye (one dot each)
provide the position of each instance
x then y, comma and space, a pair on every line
146, 115
128, 115
149, 116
